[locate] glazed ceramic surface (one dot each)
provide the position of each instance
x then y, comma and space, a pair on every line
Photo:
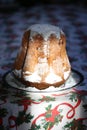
31, 109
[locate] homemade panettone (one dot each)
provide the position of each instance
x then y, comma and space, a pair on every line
42, 60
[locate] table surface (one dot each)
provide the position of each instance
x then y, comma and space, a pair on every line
71, 18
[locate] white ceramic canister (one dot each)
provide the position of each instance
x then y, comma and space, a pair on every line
50, 109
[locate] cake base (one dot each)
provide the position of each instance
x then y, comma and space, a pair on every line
75, 79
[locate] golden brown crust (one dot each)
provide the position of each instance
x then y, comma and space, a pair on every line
42, 85
32, 53
22, 53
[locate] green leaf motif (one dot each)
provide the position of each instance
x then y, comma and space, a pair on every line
60, 110
68, 126
3, 112
49, 107
85, 107
74, 124
35, 127
48, 115
23, 117
48, 125
58, 119
47, 99
73, 97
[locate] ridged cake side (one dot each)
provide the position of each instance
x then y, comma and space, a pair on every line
42, 60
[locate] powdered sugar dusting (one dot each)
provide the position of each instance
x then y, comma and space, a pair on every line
45, 30
66, 74
50, 78
33, 77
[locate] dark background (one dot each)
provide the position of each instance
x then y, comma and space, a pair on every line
34, 2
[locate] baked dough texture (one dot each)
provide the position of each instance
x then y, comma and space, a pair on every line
42, 59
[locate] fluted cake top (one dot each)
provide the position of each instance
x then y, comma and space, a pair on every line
45, 30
